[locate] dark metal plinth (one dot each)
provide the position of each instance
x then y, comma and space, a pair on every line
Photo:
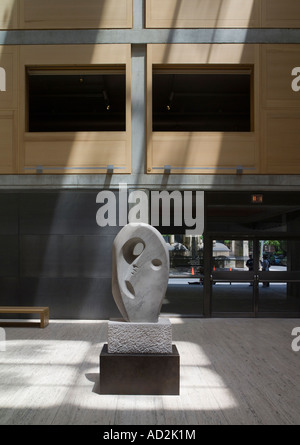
140, 374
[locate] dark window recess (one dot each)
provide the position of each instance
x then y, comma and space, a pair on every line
202, 102
75, 102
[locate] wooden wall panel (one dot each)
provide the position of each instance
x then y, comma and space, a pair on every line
7, 142
280, 110
9, 62
211, 153
202, 54
79, 149
202, 13
8, 108
56, 14
277, 64
280, 14
222, 14
68, 155
74, 54
215, 152
281, 142
43, 14
9, 14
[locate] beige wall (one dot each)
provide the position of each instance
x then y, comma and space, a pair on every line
280, 110
71, 152
74, 150
273, 145
271, 148
9, 105
55, 14
204, 152
222, 13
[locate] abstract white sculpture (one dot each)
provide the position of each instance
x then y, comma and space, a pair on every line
140, 272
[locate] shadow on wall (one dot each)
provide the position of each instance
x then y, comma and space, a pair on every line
222, 149
57, 255
209, 151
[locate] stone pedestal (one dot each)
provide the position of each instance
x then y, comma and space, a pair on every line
140, 359
140, 338
139, 374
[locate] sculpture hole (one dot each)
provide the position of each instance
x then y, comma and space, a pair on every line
132, 249
130, 288
156, 264
138, 249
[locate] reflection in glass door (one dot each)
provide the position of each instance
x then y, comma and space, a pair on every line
279, 276
184, 295
267, 226
233, 276
255, 277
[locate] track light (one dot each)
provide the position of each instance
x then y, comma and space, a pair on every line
171, 97
105, 95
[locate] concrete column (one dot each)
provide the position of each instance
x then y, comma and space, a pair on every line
138, 53
138, 10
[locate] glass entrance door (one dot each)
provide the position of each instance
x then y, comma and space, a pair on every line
233, 276
255, 277
279, 277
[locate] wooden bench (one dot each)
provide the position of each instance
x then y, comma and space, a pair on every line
42, 311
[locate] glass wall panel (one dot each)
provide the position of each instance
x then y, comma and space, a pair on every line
279, 283
202, 100
185, 290
232, 297
232, 276
233, 255
266, 225
279, 297
76, 100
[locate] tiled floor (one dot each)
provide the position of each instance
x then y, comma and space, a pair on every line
233, 371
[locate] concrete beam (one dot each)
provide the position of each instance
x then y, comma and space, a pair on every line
147, 36
151, 182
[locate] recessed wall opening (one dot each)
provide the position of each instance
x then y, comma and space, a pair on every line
76, 99
203, 99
